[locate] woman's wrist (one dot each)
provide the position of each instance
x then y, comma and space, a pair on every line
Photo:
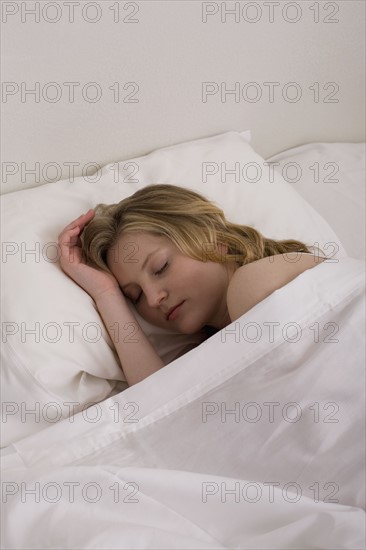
106, 293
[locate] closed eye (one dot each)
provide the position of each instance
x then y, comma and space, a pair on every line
156, 273
162, 269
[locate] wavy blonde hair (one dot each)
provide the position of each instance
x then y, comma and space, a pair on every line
192, 222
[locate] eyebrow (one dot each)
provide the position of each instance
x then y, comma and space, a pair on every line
142, 267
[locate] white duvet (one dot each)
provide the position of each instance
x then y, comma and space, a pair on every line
255, 440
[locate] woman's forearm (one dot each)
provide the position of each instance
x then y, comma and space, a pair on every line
137, 355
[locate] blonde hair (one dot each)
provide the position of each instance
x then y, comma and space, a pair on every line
192, 222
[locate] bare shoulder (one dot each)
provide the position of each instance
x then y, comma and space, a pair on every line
253, 282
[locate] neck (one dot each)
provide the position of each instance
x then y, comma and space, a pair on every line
222, 319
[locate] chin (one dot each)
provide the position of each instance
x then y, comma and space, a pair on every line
189, 331
191, 328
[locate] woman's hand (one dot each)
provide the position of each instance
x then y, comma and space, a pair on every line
93, 281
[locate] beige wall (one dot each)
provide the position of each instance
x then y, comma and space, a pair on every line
161, 54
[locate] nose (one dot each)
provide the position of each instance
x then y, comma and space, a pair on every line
155, 296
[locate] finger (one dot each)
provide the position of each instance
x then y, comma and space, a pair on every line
80, 221
69, 238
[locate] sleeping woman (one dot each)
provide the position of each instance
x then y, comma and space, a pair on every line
185, 267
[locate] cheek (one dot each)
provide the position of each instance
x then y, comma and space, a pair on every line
194, 271
204, 274
149, 314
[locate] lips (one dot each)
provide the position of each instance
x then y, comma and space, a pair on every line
172, 310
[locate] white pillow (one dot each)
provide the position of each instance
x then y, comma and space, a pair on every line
331, 177
70, 357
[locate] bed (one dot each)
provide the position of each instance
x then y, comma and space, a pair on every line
255, 437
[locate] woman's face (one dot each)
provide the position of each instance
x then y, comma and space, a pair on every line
157, 276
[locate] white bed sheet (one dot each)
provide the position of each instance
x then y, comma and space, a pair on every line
312, 372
